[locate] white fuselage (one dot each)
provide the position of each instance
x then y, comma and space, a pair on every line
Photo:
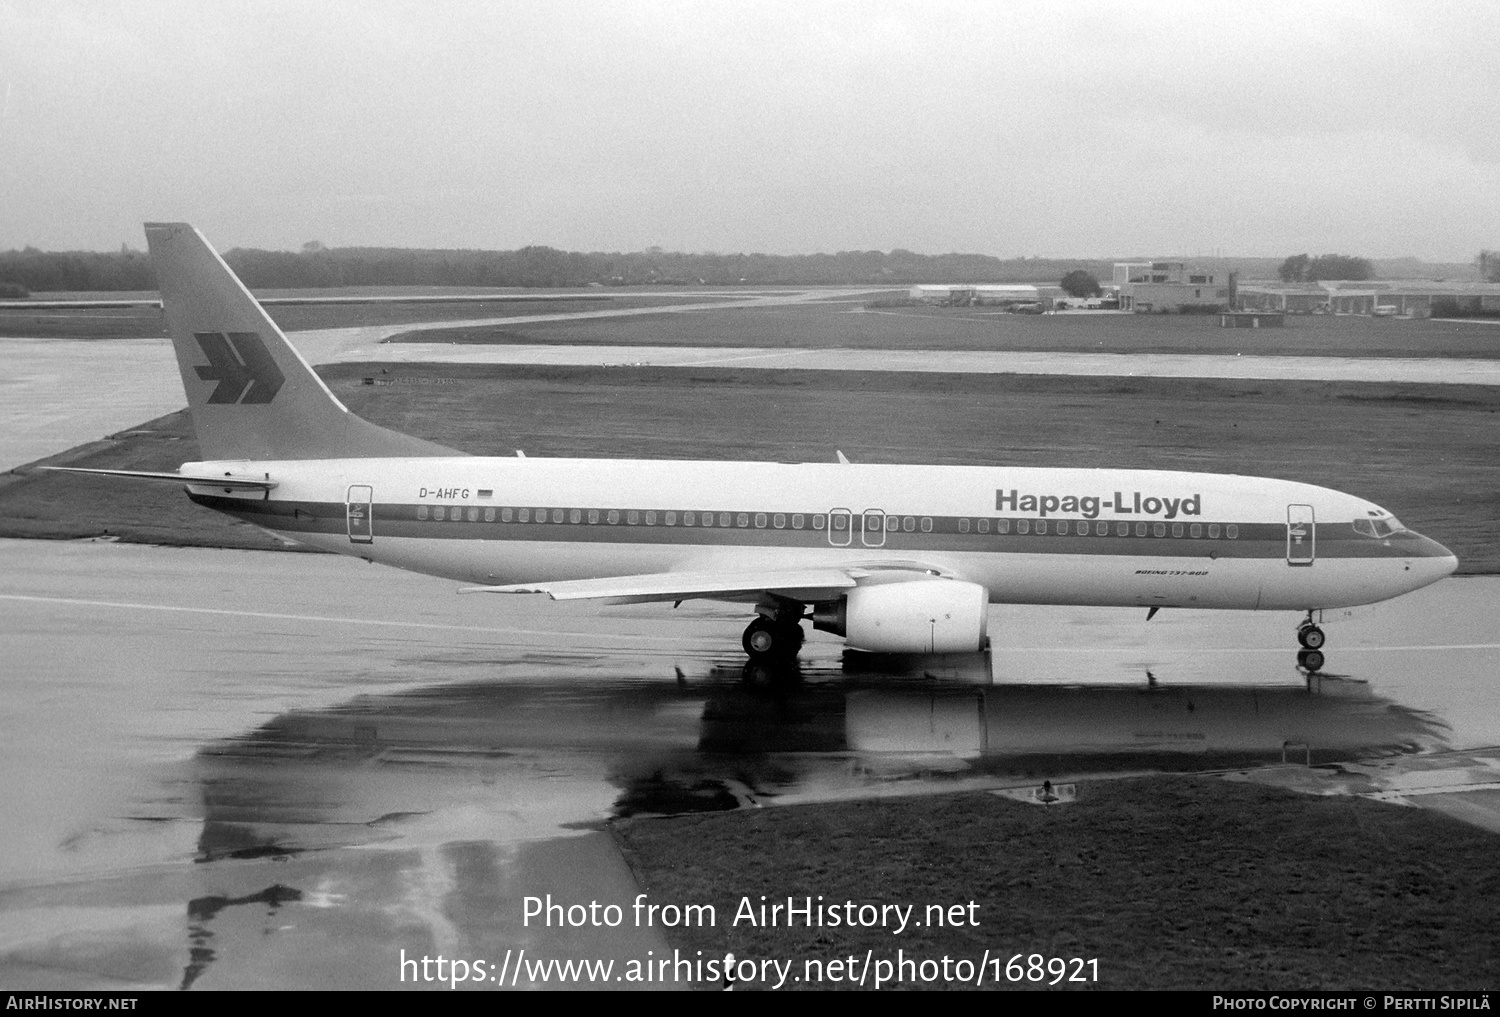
1028, 535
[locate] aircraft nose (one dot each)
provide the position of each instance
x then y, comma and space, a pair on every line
1429, 557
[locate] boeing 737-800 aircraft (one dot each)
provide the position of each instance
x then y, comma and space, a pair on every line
892, 558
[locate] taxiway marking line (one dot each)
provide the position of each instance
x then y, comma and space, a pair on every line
127, 605
1246, 649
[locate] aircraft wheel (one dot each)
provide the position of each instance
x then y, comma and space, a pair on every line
1312, 660
764, 639
1311, 637
761, 639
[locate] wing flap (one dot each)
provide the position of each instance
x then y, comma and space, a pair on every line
797, 584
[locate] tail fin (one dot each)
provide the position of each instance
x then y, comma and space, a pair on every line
251, 394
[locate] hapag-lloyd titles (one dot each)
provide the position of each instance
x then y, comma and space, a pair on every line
1089, 506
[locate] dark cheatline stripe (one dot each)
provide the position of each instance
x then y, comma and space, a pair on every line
1255, 540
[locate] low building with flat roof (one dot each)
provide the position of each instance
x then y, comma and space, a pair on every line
1410, 298
984, 293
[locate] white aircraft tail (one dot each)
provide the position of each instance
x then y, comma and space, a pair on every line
251, 394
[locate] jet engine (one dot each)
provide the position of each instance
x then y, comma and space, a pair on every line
923, 616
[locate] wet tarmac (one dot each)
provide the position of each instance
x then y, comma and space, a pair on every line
51, 397
234, 769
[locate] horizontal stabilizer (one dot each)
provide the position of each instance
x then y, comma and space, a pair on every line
797, 584
238, 483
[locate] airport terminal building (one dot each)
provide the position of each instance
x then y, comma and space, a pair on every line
1170, 286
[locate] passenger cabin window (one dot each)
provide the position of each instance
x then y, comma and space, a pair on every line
1176, 529
474, 515
422, 514
1041, 526
779, 520
1122, 529
1159, 529
984, 526
593, 516
1232, 531
817, 521
926, 524
760, 520
575, 516
689, 519
1023, 526
1213, 531
1196, 530
963, 525
506, 515
613, 517
440, 512
670, 519
797, 521
1062, 526
1002, 526
1102, 529
650, 518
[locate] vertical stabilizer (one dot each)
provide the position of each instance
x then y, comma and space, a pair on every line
251, 394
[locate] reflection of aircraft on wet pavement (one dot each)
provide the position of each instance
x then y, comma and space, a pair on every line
893, 558
718, 742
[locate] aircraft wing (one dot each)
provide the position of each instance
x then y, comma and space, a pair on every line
238, 483
806, 585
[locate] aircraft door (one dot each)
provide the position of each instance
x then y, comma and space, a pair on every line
872, 528
360, 511
840, 527
1301, 535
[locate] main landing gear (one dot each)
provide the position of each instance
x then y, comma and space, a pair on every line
1311, 637
776, 633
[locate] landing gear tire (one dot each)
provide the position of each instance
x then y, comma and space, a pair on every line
1311, 660
765, 640
1311, 637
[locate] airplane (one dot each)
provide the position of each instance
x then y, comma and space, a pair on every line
895, 559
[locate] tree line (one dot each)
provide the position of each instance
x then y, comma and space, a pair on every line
318, 267
1301, 268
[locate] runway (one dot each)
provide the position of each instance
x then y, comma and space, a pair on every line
233, 769
1123, 365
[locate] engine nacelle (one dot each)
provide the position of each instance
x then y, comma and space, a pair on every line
924, 616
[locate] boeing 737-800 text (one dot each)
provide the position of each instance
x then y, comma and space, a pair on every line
893, 558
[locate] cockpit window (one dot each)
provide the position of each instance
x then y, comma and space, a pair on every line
1378, 527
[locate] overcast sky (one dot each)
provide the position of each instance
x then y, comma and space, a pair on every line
1052, 129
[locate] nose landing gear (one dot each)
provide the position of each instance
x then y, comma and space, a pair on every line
1311, 637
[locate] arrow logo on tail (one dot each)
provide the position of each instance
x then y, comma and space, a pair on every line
241, 365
